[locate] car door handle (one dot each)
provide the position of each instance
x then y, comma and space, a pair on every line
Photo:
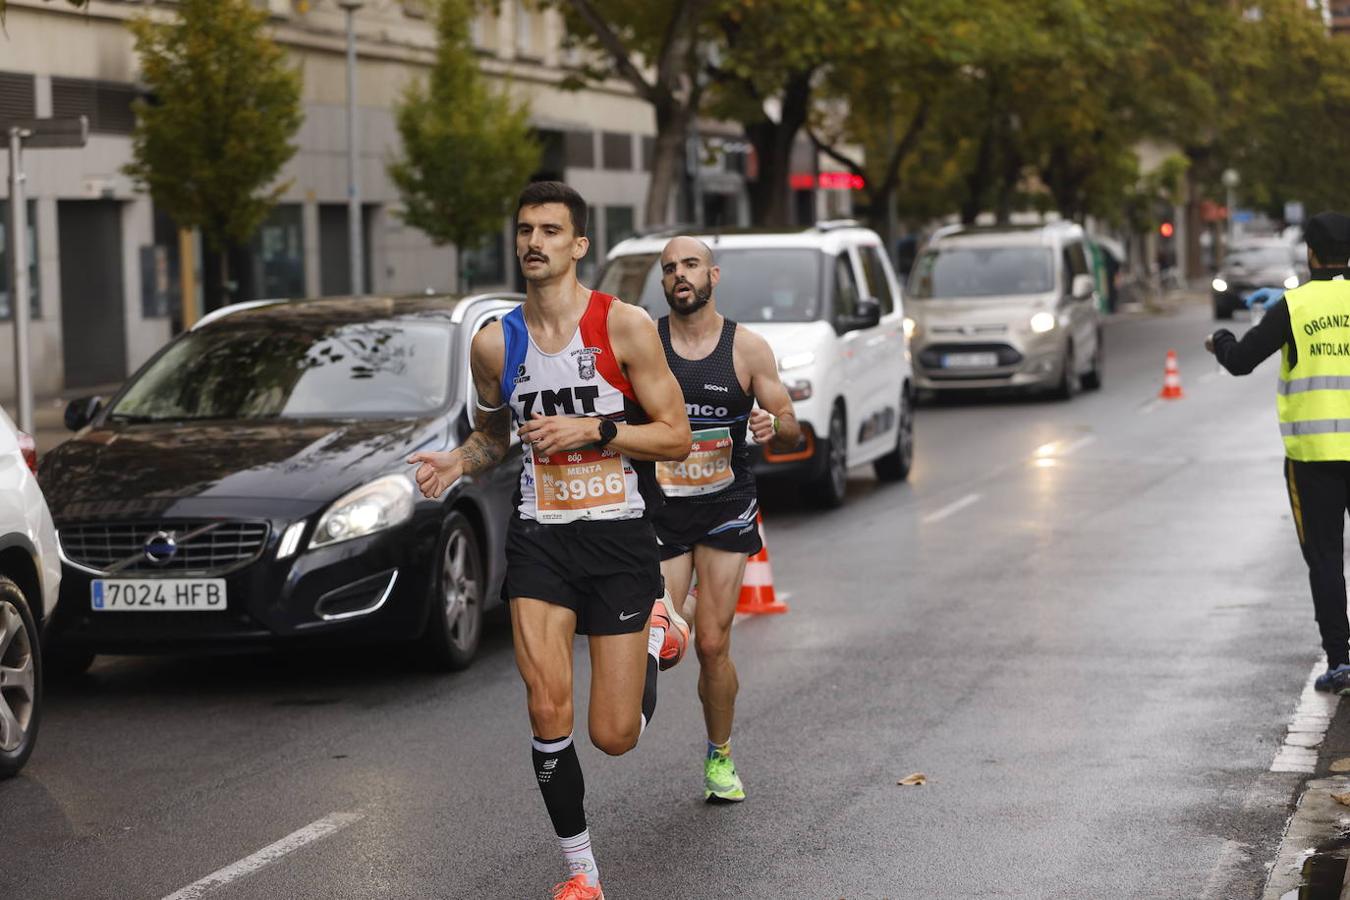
878, 340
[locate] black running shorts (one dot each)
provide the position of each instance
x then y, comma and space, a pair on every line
727, 526
608, 573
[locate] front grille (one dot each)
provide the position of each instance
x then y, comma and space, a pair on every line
969, 329
228, 545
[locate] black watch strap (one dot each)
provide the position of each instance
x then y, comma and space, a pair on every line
608, 432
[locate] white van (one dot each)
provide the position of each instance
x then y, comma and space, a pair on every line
828, 303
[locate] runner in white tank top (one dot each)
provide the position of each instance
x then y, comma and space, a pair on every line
595, 401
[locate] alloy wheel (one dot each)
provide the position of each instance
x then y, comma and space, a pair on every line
461, 591
17, 678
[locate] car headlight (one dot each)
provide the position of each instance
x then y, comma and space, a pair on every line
1219, 285
795, 361
799, 389
383, 503
911, 327
1043, 322
1291, 282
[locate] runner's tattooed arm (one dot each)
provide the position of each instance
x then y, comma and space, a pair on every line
756, 356
487, 444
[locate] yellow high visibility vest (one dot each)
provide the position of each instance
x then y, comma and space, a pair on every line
1314, 400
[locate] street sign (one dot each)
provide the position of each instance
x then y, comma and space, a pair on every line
70, 131
1293, 212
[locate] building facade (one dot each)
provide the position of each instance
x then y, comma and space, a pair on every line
104, 261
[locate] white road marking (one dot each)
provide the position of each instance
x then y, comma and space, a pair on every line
312, 832
1307, 728
1211, 375
951, 509
1150, 406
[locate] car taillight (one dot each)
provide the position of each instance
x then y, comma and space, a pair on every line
28, 447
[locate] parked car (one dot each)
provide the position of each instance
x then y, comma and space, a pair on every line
1005, 307
828, 303
1255, 263
30, 576
248, 486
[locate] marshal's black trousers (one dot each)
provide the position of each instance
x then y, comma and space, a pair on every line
1319, 495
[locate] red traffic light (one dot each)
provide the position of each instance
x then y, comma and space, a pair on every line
1166, 229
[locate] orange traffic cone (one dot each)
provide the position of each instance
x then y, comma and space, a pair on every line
1171, 378
757, 594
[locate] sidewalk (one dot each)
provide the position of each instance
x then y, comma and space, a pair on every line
1311, 863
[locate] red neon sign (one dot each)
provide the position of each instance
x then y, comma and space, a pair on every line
828, 181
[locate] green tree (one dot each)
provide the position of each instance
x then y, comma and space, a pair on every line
659, 48
467, 149
225, 106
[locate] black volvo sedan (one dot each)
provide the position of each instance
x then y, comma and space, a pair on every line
249, 486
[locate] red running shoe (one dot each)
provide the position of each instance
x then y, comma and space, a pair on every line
577, 888
677, 632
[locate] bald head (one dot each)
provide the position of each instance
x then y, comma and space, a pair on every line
684, 246
688, 274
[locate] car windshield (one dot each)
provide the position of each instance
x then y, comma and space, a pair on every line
1260, 257
757, 285
982, 272
379, 369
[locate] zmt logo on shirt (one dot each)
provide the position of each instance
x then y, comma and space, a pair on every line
561, 401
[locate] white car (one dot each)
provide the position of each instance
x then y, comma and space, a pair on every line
828, 302
30, 576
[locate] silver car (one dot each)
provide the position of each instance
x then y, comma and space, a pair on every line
1005, 307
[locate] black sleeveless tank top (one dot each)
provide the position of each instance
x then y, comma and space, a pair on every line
716, 404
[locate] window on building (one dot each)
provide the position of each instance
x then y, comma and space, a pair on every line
580, 150
618, 225
878, 285
484, 266
18, 98
616, 151
106, 104
529, 31
6, 310
279, 253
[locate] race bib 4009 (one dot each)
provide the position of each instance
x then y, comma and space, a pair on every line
580, 484
706, 470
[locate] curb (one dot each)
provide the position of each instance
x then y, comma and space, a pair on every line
1312, 859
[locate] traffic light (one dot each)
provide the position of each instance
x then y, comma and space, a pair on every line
1166, 229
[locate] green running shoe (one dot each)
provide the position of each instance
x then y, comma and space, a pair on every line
721, 784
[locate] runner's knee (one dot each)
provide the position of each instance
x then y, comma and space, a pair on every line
550, 707
712, 643
613, 738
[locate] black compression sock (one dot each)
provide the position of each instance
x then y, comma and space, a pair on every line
558, 771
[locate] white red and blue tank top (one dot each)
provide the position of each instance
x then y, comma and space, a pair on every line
582, 379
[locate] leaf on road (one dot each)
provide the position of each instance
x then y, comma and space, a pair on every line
1342, 799
1341, 765
911, 780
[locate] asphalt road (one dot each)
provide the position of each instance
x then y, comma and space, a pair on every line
1086, 623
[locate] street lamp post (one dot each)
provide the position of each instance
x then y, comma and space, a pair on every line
356, 245
66, 132
1231, 179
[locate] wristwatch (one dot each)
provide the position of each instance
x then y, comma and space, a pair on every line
608, 432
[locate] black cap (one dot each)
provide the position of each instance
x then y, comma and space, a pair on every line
1328, 236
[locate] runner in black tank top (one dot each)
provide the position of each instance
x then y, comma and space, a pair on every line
708, 523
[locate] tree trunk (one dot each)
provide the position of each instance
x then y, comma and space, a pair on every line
773, 142
977, 181
215, 278
672, 130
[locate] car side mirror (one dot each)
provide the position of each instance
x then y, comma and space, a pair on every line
866, 314
1082, 287
81, 411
